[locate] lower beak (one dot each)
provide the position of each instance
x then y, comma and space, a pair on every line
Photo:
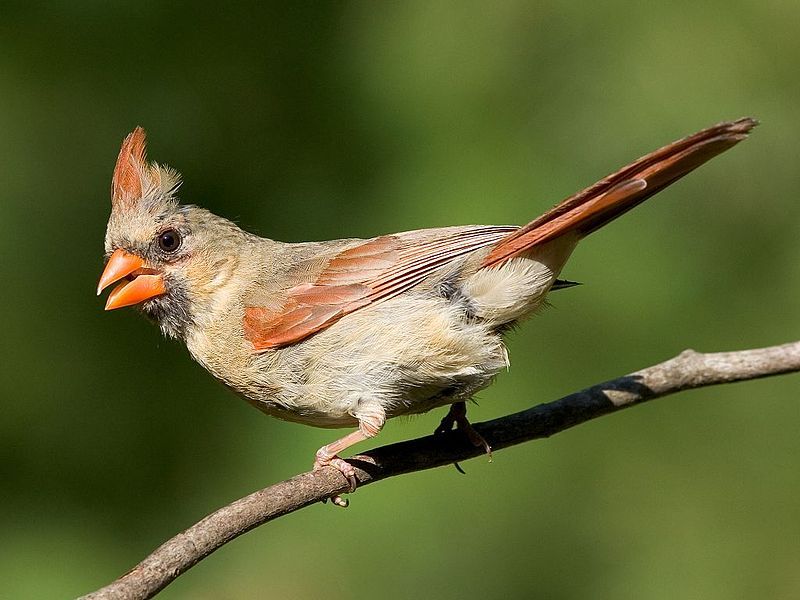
141, 283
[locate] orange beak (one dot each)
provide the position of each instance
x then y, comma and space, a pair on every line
142, 283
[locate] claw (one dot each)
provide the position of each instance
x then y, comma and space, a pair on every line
476, 438
340, 502
346, 469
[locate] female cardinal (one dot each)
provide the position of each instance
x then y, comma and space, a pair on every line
351, 332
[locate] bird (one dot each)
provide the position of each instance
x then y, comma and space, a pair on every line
348, 333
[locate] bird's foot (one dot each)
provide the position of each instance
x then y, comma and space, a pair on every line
370, 423
323, 459
457, 416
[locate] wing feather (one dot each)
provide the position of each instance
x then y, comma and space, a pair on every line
364, 274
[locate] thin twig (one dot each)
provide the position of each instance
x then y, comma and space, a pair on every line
688, 370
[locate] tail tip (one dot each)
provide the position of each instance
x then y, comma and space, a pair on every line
743, 125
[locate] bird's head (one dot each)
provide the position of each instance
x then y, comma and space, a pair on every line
168, 258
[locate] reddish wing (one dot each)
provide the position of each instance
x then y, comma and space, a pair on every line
375, 270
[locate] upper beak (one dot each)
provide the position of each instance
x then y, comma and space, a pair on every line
142, 283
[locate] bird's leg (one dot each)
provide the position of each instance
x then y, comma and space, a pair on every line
370, 422
457, 415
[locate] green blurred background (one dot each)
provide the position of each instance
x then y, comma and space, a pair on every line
325, 120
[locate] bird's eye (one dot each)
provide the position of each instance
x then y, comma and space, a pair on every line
169, 240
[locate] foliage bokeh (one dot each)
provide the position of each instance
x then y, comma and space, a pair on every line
323, 120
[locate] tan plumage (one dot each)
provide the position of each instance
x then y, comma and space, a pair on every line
351, 332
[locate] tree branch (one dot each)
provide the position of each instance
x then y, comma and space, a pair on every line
686, 371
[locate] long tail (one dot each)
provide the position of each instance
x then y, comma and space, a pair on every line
607, 199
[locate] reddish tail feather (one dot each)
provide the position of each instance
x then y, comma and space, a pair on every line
607, 199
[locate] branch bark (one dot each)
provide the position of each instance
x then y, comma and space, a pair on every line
688, 370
